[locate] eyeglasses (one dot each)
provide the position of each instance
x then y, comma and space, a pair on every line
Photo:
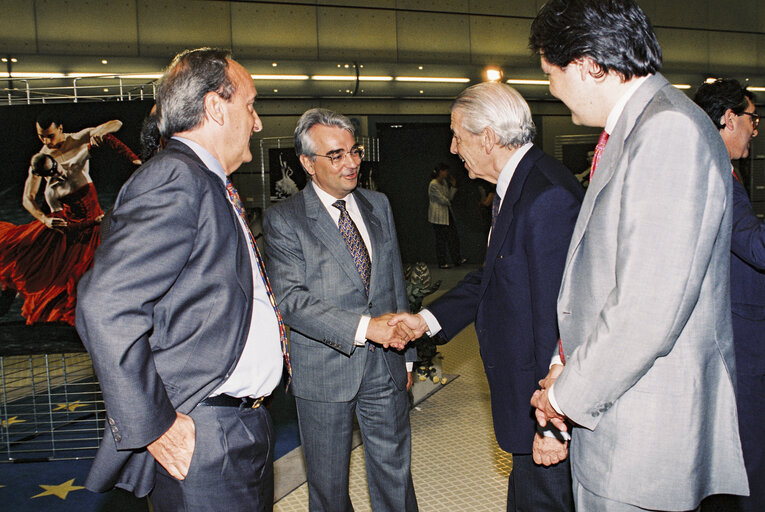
338, 156
753, 116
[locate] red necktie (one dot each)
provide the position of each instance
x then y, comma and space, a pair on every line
598, 152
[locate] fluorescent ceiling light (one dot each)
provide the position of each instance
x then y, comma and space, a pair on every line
524, 81
340, 78
436, 79
755, 89
280, 77
681, 86
17, 74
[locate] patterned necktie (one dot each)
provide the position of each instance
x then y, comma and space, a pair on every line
239, 207
495, 209
598, 152
355, 243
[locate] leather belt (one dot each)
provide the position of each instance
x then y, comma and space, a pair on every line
232, 401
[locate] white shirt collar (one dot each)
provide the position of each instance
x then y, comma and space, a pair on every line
618, 108
509, 169
327, 199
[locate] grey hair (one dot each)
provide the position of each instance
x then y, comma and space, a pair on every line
499, 107
303, 143
186, 81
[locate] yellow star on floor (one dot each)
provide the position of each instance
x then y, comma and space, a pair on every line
71, 406
60, 490
11, 421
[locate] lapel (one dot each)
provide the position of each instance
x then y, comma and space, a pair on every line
506, 213
376, 238
326, 231
243, 271
612, 155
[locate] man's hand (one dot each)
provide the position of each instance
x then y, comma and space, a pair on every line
380, 331
415, 323
174, 448
409, 380
548, 450
545, 412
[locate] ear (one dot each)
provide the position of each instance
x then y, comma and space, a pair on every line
588, 68
214, 107
307, 164
488, 139
728, 119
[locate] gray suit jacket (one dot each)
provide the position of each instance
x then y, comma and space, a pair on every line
165, 310
321, 295
644, 312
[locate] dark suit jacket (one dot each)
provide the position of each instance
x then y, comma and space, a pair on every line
165, 310
747, 285
512, 299
322, 297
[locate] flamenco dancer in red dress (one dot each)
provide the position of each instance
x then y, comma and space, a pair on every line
44, 260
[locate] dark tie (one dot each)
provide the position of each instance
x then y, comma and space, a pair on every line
355, 243
598, 152
237, 202
495, 209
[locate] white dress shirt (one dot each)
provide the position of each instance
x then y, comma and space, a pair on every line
260, 364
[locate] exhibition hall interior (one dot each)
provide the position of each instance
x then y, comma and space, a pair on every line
394, 68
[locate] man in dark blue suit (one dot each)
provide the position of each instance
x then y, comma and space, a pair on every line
731, 108
512, 299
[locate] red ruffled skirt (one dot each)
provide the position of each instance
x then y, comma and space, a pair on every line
45, 265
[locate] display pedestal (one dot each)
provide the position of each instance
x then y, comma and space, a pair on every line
434, 379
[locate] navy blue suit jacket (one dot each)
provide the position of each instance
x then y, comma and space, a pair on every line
512, 299
747, 283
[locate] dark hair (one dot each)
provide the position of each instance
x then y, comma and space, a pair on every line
48, 117
39, 167
722, 94
615, 34
150, 138
182, 89
304, 145
440, 166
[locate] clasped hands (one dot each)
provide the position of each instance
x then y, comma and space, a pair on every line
395, 330
548, 450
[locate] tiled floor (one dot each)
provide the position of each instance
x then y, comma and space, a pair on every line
456, 463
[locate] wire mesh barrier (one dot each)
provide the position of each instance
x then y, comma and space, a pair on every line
52, 408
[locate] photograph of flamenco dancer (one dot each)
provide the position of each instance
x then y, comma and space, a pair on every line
42, 261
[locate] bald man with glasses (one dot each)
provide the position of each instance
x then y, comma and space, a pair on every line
334, 261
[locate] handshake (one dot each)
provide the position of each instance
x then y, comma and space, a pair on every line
395, 330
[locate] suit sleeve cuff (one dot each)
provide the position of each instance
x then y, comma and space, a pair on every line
553, 402
361, 332
433, 326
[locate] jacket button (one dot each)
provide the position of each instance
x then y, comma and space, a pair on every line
117, 438
595, 414
111, 421
370, 305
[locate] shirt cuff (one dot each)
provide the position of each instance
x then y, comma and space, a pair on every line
553, 402
555, 360
361, 332
430, 319
409, 366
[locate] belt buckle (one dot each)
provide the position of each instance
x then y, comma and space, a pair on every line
258, 402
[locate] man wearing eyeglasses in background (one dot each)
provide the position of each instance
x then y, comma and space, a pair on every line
731, 108
334, 261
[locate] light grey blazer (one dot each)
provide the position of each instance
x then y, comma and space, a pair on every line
321, 295
644, 312
440, 202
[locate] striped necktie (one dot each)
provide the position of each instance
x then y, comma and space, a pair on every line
495, 209
355, 244
239, 207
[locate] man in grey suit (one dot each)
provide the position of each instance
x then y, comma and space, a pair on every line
643, 310
177, 313
334, 258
